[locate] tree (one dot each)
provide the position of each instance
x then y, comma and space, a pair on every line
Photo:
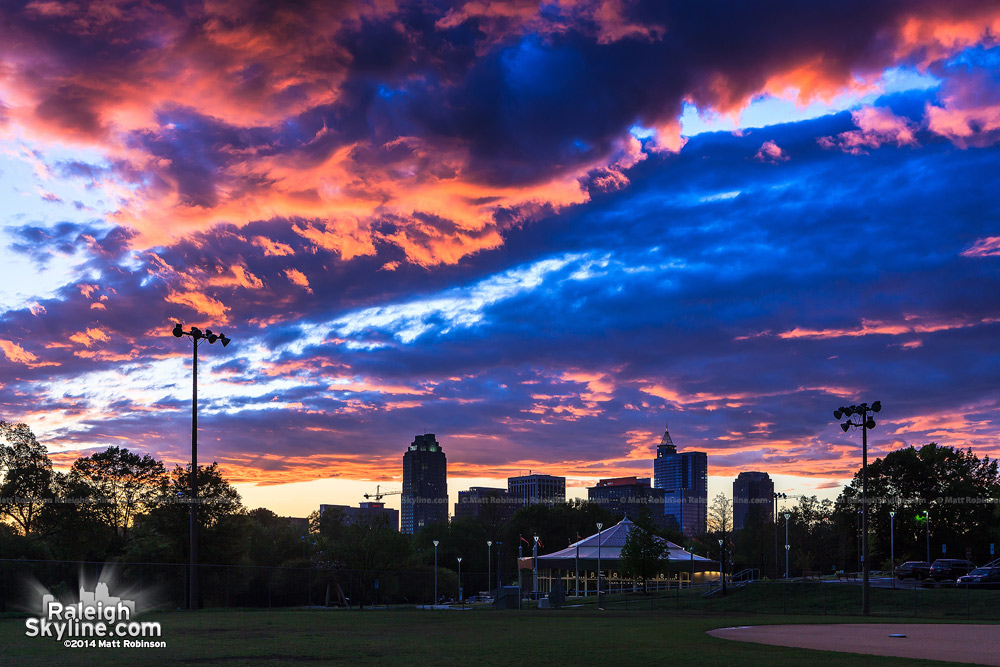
643, 554
957, 488
27, 476
163, 534
720, 522
125, 484
367, 550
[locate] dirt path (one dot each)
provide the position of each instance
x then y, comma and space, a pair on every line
978, 644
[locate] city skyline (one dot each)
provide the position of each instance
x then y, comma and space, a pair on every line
538, 231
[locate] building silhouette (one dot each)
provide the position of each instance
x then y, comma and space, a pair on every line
366, 514
492, 506
752, 496
630, 497
536, 489
684, 480
425, 484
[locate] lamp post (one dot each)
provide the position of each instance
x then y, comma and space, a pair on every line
927, 529
499, 561
863, 417
461, 598
197, 336
534, 568
787, 545
722, 565
489, 566
892, 546
436, 572
774, 520
599, 527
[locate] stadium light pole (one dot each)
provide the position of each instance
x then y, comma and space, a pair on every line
197, 336
774, 520
436, 542
863, 417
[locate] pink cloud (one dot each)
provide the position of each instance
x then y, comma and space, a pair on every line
877, 126
770, 152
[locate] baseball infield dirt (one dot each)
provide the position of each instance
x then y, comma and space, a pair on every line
978, 644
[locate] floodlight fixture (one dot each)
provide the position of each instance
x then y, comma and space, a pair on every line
862, 416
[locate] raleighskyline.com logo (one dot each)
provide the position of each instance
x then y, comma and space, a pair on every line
98, 620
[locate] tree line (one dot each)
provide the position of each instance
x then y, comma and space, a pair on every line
120, 506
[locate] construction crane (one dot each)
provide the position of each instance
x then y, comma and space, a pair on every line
379, 494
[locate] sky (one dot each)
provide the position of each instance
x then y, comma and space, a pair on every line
541, 231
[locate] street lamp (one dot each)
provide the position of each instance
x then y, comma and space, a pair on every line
534, 566
436, 572
461, 598
499, 568
722, 566
197, 336
927, 528
892, 545
599, 527
863, 417
787, 546
489, 565
774, 520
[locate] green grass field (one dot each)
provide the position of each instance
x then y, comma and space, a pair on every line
384, 637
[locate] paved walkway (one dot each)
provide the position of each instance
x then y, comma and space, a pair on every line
979, 644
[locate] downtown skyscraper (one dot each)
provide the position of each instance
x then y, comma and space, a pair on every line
684, 480
425, 484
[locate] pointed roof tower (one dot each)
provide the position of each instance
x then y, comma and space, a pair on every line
666, 441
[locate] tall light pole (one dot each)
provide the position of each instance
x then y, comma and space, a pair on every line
461, 598
863, 417
599, 527
197, 336
774, 520
787, 545
435, 572
892, 546
489, 566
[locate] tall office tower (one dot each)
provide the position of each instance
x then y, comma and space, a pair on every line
684, 480
425, 484
534, 489
486, 503
629, 497
752, 496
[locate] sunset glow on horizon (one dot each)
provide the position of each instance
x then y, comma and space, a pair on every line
540, 230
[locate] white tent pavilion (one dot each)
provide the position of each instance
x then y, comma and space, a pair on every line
576, 565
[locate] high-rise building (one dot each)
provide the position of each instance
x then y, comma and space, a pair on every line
684, 480
627, 496
534, 489
366, 514
425, 484
483, 502
753, 493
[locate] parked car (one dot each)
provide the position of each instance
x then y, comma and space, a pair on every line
916, 569
982, 577
950, 568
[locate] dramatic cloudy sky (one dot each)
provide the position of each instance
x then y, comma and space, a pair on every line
538, 230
